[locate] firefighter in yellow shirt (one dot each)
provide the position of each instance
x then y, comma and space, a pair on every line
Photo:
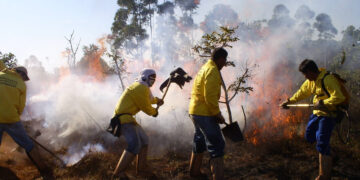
12, 103
137, 97
322, 121
206, 116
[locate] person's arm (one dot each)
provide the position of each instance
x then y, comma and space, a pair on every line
302, 93
212, 88
333, 87
143, 101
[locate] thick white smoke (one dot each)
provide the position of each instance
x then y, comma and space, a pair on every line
76, 108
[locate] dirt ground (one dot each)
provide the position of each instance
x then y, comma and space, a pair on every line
281, 159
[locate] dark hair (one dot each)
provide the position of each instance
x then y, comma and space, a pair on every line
308, 65
218, 53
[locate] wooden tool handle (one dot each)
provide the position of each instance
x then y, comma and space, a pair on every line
166, 90
226, 98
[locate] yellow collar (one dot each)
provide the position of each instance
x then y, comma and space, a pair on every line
321, 75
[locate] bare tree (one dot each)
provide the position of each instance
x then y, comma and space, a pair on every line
72, 50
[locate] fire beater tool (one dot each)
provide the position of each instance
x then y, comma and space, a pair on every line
179, 77
231, 130
343, 126
63, 164
38, 133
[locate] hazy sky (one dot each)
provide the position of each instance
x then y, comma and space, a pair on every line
39, 27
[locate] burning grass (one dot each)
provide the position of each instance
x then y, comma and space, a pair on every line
274, 156
273, 159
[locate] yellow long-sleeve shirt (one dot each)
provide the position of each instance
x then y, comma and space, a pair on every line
12, 96
206, 91
135, 98
309, 88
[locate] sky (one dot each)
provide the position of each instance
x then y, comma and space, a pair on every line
39, 27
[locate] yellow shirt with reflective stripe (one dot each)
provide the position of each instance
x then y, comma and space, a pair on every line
134, 99
309, 88
206, 91
12, 96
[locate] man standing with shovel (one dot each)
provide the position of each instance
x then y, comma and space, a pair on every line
322, 121
205, 113
12, 103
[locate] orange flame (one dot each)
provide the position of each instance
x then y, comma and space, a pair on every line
269, 121
96, 69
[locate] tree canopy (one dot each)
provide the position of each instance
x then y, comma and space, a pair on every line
8, 59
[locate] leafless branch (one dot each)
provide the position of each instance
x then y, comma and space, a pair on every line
72, 50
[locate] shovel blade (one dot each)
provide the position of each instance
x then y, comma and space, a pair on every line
233, 132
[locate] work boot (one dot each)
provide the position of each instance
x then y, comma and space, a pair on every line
217, 168
123, 163
325, 166
195, 165
142, 167
41, 163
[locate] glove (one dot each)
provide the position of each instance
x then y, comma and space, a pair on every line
320, 105
156, 114
114, 126
220, 119
159, 102
285, 103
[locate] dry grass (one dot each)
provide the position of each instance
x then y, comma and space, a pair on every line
272, 159
281, 159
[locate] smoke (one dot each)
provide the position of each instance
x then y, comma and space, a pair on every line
220, 15
304, 13
76, 108
280, 18
323, 24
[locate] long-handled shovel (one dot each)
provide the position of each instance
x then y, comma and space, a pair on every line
179, 77
231, 130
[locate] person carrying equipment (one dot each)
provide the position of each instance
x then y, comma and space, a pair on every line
137, 97
12, 103
206, 116
322, 121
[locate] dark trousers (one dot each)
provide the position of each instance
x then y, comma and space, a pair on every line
208, 136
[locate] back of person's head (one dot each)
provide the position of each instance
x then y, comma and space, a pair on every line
308, 65
23, 72
219, 53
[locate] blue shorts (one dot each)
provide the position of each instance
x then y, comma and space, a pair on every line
18, 133
135, 137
